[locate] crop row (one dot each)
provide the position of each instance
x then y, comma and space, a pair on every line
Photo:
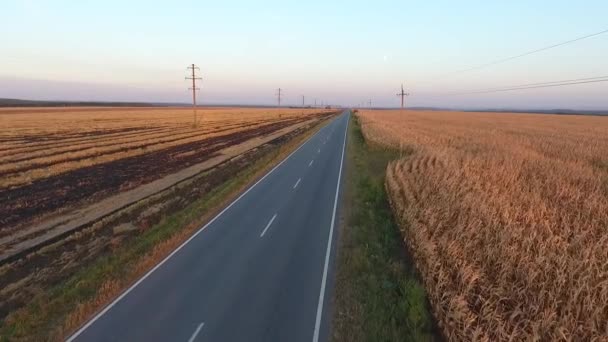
97, 180
506, 217
50, 155
26, 163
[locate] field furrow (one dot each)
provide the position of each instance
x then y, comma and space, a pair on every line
91, 154
20, 149
131, 146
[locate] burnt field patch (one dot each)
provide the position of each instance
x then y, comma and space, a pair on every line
87, 184
142, 142
46, 140
74, 139
46, 137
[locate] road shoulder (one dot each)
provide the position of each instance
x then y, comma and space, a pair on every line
377, 295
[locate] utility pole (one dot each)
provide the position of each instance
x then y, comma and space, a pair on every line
370, 103
403, 94
302, 101
315, 103
279, 96
194, 88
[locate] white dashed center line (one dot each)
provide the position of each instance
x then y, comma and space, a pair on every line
268, 225
196, 332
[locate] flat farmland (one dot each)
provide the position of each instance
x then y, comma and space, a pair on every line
82, 187
506, 216
53, 158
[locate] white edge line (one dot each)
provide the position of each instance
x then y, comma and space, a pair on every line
315, 337
126, 292
198, 330
298, 182
268, 225
310, 164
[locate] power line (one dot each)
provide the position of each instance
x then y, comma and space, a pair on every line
538, 85
530, 52
571, 80
506, 59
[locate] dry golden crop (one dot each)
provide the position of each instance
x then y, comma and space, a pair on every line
507, 218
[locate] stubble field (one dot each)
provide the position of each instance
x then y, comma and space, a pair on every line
507, 218
51, 158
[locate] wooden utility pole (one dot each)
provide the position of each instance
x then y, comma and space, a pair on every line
403, 94
302, 101
194, 89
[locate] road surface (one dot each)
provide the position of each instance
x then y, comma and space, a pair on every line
259, 271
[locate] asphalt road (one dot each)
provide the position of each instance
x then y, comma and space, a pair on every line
259, 271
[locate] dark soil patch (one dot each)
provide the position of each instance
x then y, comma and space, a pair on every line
46, 195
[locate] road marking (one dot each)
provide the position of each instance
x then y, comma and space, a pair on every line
198, 330
127, 291
268, 225
315, 337
298, 182
310, 164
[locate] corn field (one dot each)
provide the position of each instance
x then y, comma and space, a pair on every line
506, 216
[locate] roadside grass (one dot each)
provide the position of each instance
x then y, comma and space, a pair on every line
56, 313
378, 296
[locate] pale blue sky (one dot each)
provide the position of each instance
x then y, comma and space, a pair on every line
342, 52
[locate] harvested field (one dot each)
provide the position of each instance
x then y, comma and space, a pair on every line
506, 216
51, 158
